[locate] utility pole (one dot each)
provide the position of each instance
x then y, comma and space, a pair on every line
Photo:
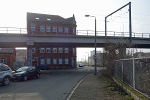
130, 25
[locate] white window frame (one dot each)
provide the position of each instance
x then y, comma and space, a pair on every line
42, 28
60, 29
54, 29
42, 61
74, 50
60, 50
54, 50
32, 27
66, 50
66, 60
3, 60
48, 50
42, 50
60, 61
73, 31
66, 30
54, 61
33, 50
48, 28
48, 61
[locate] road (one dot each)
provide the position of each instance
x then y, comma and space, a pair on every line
54, 86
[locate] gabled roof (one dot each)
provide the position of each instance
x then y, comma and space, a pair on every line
48, 18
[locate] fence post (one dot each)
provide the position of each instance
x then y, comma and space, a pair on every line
133, 73
122, 68
114, 33
116, 69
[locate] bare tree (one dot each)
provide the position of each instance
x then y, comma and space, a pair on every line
115, 49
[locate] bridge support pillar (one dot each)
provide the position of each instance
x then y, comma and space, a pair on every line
30, 44
29, 55
122, 52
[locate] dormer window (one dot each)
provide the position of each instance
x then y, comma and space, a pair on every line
48, 19
37, 18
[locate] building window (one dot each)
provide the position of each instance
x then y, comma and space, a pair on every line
66, 29
42, 61
48, 19
48, 29
54, 61
42, 50
66, 50
60, 29
42, 29
74, 50
74, 31
60, 50
60, 60
32, 27
33, 50
66, 61
48, 50
3, 60
37, 18
54, 29
48, 61
54, 50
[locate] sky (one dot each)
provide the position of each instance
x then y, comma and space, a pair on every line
13, 14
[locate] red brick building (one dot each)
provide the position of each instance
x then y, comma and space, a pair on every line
52, 56
8, 56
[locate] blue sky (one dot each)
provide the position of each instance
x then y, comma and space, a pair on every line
13, 13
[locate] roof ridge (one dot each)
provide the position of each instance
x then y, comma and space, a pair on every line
47, 17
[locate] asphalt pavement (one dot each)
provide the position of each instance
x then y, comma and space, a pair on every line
52, 85
93, 87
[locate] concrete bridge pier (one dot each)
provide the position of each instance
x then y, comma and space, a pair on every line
122, 52
29, 55
29, 52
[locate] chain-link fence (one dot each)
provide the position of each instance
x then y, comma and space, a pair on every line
135, 72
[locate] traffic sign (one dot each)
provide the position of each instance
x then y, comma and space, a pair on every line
95, 56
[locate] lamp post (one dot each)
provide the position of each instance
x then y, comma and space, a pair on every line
95, 57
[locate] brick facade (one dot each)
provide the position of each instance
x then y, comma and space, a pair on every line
52, 25
8, 56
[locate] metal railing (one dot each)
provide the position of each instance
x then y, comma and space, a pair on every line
135, 73
14, 30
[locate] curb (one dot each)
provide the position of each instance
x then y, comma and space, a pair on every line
129, 92
77, 86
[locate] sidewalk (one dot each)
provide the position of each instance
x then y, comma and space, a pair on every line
96, 88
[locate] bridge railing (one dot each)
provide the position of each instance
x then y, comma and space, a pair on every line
15, 30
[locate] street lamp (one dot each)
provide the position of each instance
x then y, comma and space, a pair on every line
95, 43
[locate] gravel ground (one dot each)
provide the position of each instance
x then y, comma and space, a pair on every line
95, 88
